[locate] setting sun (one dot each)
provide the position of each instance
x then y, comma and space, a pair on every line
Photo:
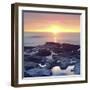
55, 29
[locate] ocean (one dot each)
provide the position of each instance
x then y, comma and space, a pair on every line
40, 38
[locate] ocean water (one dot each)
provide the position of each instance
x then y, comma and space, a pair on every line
35, 38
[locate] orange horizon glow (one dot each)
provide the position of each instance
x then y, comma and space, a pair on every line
52, 23
54, 29
35, 31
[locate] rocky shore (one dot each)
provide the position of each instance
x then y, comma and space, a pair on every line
39, 60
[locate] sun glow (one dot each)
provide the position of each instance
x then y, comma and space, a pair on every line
55, 29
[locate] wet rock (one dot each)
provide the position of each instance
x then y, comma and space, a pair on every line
63, 62
34, 58
74, 60
28, 49
52, 44
43, 52
30, 65
77, 68
57, 50
70, 47
48, 66
26, 74
43, 60
64, 65
39, 60
36, 72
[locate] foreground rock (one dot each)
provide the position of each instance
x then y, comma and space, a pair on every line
36, 72
43, 52
39, 60
77, 68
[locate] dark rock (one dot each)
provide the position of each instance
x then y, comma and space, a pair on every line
53, 44
26, 57
43, 60
33, 58
77, 68
76, 56
43, 52
62, 74
70, 47
63, 62
26, 74
36, 72
39, 60
57, 50
28, 49
64, 65
75, 60
30, 65
49, 66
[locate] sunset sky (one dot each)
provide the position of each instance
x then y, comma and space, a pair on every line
50, 22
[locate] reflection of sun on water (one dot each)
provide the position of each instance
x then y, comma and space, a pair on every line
55, 39
55, 32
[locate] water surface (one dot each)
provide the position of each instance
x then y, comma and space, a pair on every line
34, 39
